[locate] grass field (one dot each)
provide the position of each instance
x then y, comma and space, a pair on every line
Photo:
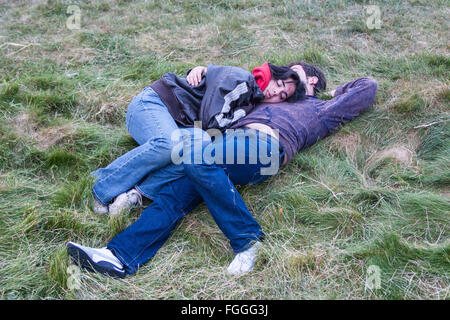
369, 201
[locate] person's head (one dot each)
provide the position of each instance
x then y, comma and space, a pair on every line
284, 85
311, 76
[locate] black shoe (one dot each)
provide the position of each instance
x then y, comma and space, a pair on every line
100, 260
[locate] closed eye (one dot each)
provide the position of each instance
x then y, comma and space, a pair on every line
283, 94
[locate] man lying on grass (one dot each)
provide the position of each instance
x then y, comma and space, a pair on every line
280, 129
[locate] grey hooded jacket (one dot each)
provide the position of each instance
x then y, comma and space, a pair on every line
225, 95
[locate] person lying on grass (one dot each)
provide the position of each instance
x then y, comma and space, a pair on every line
225, 95
280, 129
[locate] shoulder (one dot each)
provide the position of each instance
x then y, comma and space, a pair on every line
228, 69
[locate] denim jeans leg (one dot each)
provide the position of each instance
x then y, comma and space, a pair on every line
140, 241
225, 205
212, 182
254, 158
153, 182
151, 125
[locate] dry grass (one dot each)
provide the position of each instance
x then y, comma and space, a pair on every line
375, 193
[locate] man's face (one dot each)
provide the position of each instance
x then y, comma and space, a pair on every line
279, 90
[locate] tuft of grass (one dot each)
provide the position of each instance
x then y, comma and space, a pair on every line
409, 104
356, 26
343, 222
444, 96
372, 198
314, 55
58, 266
52, 8
434, 142
10, 93
74, 193
424, 216
118, 223
49, 103
61, 158
439, 64
392, 254
64, 221
299, 263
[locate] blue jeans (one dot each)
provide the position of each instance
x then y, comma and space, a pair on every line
240, 141
212, 182
151, 125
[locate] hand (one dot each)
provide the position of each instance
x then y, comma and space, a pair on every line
195, 76
297, 68
332, 92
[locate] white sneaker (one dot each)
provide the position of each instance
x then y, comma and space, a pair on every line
101, 260
100, 208
125, 201
245, 261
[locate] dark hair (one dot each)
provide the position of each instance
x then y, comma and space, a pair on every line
313, 71
284, 73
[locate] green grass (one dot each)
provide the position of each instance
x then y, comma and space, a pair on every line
374, 194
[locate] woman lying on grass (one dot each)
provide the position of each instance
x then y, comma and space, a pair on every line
224, 95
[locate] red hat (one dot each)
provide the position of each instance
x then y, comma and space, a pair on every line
262, 75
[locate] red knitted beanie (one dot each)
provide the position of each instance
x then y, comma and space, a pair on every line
262, 75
